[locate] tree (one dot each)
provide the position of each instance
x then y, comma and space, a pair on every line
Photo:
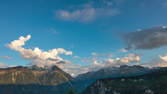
71, 92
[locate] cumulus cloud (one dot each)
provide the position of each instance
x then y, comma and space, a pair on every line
124, 60
37, 56
87, 13
146, 39
17, 44
113, 62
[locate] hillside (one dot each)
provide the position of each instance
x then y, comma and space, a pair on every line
31, 80
82, 81
151, 83
33, 75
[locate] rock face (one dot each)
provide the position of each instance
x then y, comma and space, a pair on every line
154, 82
33, 75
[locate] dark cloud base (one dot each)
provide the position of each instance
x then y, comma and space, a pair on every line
146, 39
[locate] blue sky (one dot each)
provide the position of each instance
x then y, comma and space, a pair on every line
81, 26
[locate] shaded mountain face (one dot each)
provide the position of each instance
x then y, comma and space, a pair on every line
123, 70
33, 75
82, 81
154, 82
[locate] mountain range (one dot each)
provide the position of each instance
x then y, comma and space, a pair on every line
36, 80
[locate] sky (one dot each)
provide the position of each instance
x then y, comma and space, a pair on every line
83, 35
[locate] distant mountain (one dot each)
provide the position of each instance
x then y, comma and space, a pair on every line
82, 81
154, 82
123, 70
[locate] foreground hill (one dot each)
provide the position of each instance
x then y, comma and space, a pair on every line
154, 82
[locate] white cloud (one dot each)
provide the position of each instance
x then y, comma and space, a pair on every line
37, 56
17, 44
81, 15
164, 58
87, 13
123, 50
130, 58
